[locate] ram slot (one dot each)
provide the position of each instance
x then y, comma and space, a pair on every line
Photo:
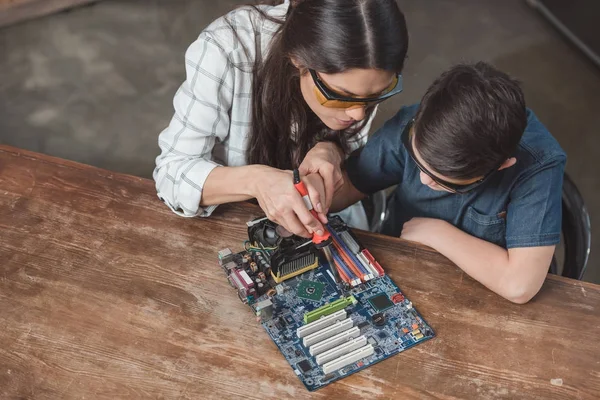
362, 272
342, 349
334, 341
327, 332
349, 242
321, 323
358, 272
348, 359
354, 280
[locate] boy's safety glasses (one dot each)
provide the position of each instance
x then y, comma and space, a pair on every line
407, 139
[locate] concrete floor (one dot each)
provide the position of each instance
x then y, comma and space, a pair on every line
95, 84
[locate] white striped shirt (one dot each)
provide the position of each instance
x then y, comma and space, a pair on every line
211, 124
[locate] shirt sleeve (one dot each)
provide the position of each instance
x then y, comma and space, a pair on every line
534, 213
380, 163
202, 106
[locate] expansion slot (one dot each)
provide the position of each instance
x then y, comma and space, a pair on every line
334, 341
348, 359
327, 332
328, 309
342, 349
321, 323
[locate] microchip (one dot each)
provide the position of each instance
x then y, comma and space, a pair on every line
310, 290
328, 377
382, 335
298, 353
282, 321
362, 324
381, 302
304, 366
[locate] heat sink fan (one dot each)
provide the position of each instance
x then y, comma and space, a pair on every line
289, 255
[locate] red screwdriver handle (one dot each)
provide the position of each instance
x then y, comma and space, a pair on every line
301, 188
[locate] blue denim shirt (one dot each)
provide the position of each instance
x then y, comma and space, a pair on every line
516, 207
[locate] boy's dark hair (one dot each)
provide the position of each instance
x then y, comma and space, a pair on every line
470, 120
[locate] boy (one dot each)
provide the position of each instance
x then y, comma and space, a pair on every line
479, 179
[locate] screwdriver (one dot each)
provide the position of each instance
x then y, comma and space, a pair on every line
321, 242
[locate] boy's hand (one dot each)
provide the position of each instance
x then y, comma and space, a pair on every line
423, 229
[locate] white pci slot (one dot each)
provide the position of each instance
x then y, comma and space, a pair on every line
328, 332
334, 341
348, 359
339, 351
321, 323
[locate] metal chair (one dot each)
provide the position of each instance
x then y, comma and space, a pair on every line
576, 231
576, 228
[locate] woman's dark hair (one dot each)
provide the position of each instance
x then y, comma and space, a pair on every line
329, 36
470, 120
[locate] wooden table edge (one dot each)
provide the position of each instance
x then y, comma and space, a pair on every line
17, 152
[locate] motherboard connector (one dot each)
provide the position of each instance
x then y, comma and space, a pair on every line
225, 256
328, 309
348, 359
342, 349
334, 341
321, 323
328, 332
264, 310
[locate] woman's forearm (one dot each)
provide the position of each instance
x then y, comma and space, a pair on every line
230, 184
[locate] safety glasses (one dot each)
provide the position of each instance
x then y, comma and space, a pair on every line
332, 99
407, 139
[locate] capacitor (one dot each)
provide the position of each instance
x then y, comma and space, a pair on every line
253, 266
246, 258
260, 285
262, 276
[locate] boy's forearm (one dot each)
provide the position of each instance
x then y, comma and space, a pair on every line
498, 269
346, 195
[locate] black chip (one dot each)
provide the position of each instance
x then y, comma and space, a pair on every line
298, 353
282, 321
381, 302
382, 335
278, 325
362, 324
304, 366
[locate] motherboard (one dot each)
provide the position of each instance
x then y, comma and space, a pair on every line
329, 316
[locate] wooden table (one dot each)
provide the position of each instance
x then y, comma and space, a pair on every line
105, 293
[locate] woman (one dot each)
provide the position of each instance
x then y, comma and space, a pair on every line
275, 87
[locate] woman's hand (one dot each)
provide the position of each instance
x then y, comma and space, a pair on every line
325, 159
274, 189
